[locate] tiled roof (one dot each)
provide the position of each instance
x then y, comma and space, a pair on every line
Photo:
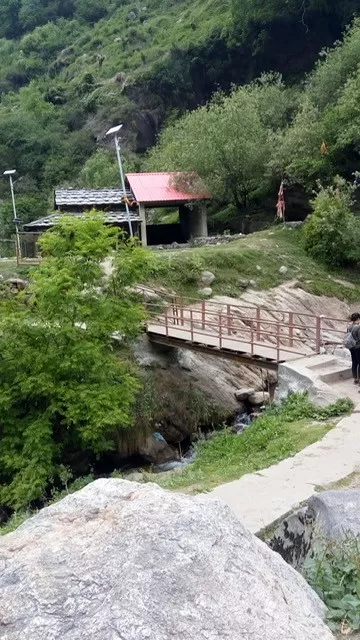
109, 218
157, 188
89, 197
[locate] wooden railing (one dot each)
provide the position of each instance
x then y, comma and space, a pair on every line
246, 328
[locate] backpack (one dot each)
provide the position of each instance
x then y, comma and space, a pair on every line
350, 342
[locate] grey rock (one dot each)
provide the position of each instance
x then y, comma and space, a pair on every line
206, 292
283, 270
136, 476
293, 225
207, 278
123, 560
243, 284
17, 283
292, 538
252, 283
157, 451
330, 515
259, 398
243, 394
336, 514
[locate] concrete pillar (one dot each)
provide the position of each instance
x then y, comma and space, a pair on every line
143, 225
198, 222
202, 221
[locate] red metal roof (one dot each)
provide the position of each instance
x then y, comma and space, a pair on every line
158, 188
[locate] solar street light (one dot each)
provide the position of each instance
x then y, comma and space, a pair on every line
10, 173
114, 131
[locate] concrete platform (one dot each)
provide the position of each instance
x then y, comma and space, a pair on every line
261, 498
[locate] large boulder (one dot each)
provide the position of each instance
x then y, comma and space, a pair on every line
130, 561
335, 514
328, 516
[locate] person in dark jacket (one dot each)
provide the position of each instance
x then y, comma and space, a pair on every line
354, 328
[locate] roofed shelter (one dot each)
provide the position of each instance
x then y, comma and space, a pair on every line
144, 190
156, 190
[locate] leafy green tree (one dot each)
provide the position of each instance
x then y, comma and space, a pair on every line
332, 233
326, 83
296, 149
228, 142
91, 10
100, 170
64, 388
29, 207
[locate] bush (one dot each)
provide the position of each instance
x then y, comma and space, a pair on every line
334, 573
332, 233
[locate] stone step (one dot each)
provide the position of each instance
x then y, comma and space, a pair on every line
338, 373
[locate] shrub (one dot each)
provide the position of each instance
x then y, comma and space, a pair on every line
332, 233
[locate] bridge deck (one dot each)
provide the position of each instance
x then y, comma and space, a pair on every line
256, 350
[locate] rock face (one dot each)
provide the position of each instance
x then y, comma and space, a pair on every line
122, 560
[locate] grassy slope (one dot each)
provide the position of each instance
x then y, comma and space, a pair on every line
278, 434
228, 457
269, 250
134, 39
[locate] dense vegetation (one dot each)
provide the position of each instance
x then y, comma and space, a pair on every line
334, 572
65, 391
244, 143
70, 69
280, 432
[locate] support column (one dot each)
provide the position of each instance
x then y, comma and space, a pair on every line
198, 221
203, 225
143, 225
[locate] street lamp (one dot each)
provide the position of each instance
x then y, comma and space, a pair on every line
11, 173
114, 131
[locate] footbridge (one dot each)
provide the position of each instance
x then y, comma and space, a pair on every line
251, 335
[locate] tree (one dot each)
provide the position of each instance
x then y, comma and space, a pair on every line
29, 207
63, 386
332, 233
100, 170
227, 142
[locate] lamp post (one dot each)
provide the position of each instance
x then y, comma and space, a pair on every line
10, 173
115, 131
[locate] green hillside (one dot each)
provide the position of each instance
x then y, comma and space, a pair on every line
69, 70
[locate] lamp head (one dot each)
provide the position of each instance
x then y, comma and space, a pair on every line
114, 130
9, 172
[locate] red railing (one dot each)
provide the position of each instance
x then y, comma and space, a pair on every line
247, 328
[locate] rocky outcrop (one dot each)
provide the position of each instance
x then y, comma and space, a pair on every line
130, 561
328, 516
